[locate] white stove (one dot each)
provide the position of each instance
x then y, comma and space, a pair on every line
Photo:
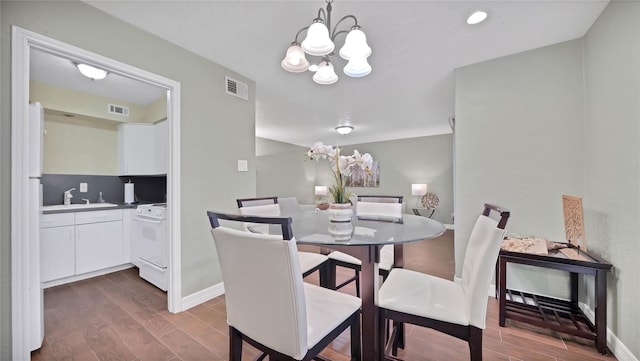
153, 211
151, 243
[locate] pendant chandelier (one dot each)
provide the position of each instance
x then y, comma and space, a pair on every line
320, 42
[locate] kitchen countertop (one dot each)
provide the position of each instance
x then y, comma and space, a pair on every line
117, 206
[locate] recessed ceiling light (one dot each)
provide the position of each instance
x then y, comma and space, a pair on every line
91, 72
477, 17
344, 129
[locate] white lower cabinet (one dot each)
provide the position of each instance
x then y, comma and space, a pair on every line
76, 243
57, 253
98, 246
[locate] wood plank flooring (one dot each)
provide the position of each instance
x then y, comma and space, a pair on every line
121, 317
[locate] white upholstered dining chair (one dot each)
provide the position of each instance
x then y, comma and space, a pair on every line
269, 207
457, 309
268, 304
378, 208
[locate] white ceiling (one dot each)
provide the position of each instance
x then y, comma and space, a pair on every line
416, 46
52, 69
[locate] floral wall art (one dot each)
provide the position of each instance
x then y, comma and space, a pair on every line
359, 178
345, 168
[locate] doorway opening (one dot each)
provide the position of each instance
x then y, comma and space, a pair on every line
23, 41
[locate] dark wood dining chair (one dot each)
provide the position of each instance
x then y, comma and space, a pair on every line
268, 304
457, 309
268, 207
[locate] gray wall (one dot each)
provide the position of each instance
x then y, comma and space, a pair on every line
267, 146
402, 162
216, 129
612, 159
519, 144
536, 125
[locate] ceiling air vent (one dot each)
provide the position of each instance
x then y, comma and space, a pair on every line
234, 87
118, 109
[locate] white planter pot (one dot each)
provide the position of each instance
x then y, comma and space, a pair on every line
340, 226
340, 212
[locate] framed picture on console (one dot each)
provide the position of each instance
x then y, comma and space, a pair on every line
574, 221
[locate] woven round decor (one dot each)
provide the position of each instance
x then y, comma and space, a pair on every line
430, 200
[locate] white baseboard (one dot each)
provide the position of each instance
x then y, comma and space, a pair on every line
618, 349
199, 297
84, 276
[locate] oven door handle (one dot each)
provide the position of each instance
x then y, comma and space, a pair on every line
147, 220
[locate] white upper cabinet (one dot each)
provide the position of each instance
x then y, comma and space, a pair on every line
143, 148
162, 146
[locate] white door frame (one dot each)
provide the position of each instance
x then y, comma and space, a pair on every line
22, 42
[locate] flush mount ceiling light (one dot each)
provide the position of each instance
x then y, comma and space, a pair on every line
320, 41
91, 72
477, 17
344, 129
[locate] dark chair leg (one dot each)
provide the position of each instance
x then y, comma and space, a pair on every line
399, 333
399, 340
475, 343
235, 345
358, 284
383, 334
325, 275
356, 340
331, 276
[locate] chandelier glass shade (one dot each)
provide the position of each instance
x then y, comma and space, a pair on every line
317, 42
295, 61
357, 67
325, 74
320, 41
355, 45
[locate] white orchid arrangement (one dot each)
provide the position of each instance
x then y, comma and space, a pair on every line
341, 166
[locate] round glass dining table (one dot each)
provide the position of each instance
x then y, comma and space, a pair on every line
363, 239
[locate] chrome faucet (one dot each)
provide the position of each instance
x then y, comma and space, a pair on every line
68, 196
86, 201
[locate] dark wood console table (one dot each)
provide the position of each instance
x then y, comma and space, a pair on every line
555, 314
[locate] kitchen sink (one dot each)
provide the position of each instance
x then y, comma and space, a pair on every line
62, 207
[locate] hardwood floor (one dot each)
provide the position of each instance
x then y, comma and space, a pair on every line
121, 317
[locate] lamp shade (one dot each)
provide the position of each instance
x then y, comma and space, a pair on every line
295, 61
317, 42
357, 67
321, 190
418, 189
355, 45
325, 74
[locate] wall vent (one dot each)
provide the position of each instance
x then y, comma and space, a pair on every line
118, 109
236, 88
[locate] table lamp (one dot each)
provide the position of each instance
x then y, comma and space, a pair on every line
418, 190
321, 192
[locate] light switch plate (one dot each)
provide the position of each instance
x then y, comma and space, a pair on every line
243, 166
83, 187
